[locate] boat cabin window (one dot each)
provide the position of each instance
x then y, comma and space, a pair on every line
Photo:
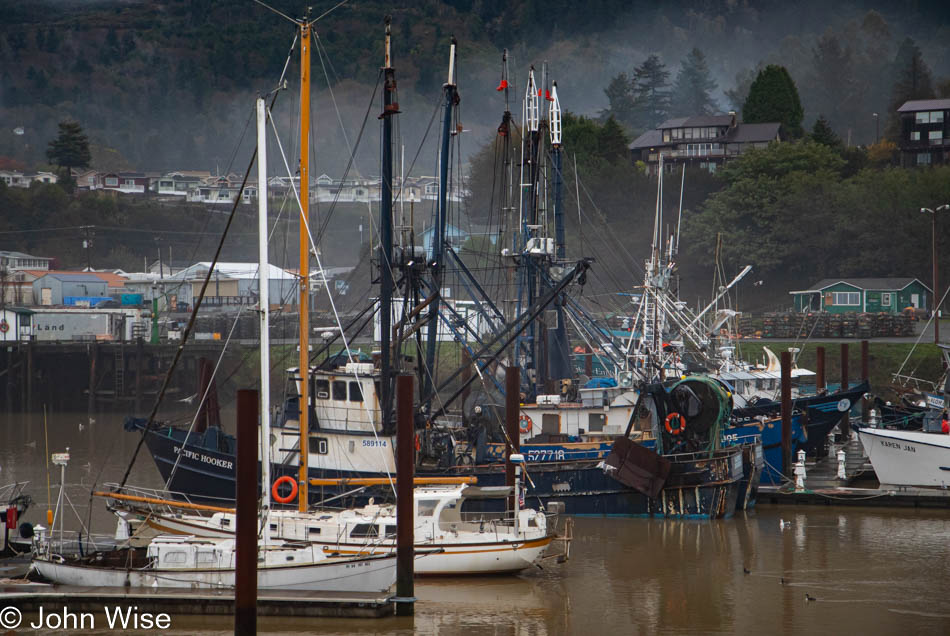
356, 392
319, 445
339, 390
365, 530
204, 556
427, 507
174, 557
323, 389
313, 530
390, 531
225, 521
273, 526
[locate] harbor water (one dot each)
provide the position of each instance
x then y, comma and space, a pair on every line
870, 571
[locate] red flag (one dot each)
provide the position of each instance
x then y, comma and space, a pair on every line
503, 85
547, 96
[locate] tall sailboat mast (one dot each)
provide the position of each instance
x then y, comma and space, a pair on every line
438, 246
386, 281
304, 304
263, 293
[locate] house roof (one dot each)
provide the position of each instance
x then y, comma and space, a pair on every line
12, 254
113, 279
697, 120
74, 278
648, 139
750, 133
882, 284
233, 270
915, 105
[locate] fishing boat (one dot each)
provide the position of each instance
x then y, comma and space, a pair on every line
459, 543
908, 458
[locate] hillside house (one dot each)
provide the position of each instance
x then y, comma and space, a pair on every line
925, 132
705, 141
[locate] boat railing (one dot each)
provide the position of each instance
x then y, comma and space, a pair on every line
918, 384
167, 501
9, 492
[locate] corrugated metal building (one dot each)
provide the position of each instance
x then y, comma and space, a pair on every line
52, 288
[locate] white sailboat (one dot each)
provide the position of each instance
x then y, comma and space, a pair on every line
459, 543
193, 562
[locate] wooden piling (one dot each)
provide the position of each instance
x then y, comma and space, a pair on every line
845, 420
512, 415
786, 362
139, 370
93, 352
865, 375
29, 378
405, 516
245, 578
820, 366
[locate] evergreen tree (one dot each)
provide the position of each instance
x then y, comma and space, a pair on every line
740, 92
773, 97
912, 80
70, 149
619, 94
822, 133
651, 82
832, 81
613, 142
693, 87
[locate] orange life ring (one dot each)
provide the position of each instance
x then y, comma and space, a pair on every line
4, 326
275, 489
525, 424
681, 423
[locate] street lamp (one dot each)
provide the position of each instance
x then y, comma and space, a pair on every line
936, 287
877, 127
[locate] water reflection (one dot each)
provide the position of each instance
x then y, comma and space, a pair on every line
871, 570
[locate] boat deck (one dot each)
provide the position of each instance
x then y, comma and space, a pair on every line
29, 597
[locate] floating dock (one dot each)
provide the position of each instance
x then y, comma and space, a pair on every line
29, 597
847, 496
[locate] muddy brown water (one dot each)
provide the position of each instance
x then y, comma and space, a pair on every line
871, 570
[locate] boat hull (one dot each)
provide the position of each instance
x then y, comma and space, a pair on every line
908, 458
372, 574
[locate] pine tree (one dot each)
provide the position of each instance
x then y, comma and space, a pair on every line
693, 87
612, 142
773, 97
620, 99
651, 82
70, 149
821, 133
912, 80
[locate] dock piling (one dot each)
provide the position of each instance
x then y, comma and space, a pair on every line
865, 375
245, 588
820, 383
786, 362
845, 420
512, 415
405, 473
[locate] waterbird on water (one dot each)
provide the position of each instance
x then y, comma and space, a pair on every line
784, 524
746, 570
809, 597
31, 444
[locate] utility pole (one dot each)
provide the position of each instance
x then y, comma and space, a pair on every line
936, 284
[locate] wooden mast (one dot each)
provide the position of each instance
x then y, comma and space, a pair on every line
304, 304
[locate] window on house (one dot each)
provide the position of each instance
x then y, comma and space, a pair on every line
339, 390
922, 118
847, 298
886, 299
936, 136
223, 194
936, 117
688, 133
112, 181
677, 133
915, 135
923, 158
666, 136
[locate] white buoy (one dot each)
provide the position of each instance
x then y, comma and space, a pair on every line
800, 473
842, 456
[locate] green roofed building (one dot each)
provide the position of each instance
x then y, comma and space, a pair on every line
863, 295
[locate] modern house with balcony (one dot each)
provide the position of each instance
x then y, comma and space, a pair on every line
925, 132
705, 141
